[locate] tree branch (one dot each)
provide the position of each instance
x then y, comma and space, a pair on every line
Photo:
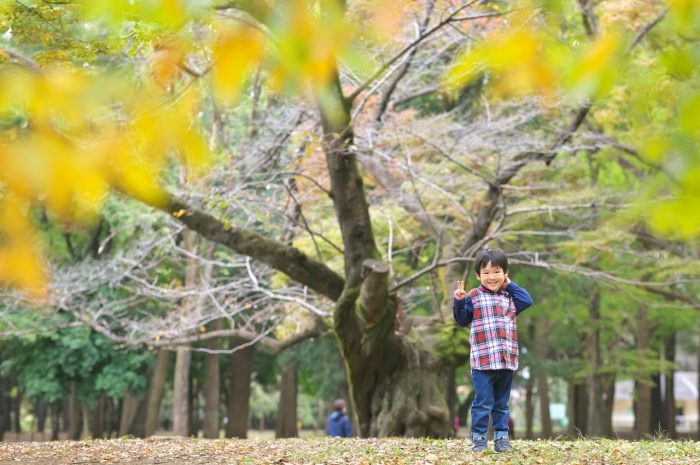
645, 30
417, 41
288, 260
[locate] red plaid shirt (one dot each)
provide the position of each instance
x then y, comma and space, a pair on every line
494, 333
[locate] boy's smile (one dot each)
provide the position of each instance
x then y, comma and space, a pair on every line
492, 277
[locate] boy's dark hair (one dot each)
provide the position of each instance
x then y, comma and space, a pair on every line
495, 256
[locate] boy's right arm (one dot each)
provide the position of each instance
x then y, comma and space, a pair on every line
463, 310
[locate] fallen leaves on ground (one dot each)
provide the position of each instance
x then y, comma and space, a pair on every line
336, 451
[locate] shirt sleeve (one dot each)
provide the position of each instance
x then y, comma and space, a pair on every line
520, 296
347, 427
463, 311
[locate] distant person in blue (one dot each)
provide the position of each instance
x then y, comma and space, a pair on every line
338, 425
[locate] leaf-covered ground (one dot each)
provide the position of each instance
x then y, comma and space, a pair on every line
345, 451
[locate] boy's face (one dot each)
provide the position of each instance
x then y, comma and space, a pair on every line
492, 277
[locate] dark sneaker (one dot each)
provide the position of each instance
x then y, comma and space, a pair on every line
480, 445
503, 445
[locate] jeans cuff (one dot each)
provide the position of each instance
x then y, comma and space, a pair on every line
478, 436
500, 435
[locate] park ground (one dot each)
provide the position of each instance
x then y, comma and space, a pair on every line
388, 451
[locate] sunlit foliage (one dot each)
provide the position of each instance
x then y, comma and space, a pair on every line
658, 115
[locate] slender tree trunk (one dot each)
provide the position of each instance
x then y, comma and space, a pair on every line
5, 406
570, 408
530, 387
16, 411
543, 390
85, 419
452, 396
98, 418
657, 410
608, 403
155, 393
212, 386
55, 419
642, 386
239, 392
580, 418
529, 406
40, 411
128, 411
594, 382
74, 409
194, 424
542, 386
697, 433
669, 394
287, 410
181, 391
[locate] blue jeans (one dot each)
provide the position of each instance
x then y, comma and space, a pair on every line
492, 393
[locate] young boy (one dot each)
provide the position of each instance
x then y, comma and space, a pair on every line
491, 310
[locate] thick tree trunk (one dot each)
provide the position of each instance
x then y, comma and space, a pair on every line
594, 382
239, 392
181, 383
287, 409
642, 386
212, 386
669, 394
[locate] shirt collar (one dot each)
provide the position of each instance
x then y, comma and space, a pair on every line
483, 288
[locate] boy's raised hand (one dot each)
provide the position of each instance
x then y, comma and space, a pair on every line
459, 292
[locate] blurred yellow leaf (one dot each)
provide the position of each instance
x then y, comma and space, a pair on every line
165, 65
21, 266
515, 57
235, 50
595, 72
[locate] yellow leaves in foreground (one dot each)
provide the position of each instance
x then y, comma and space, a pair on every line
595, 72
166, 13
525, 61
514, 58
74, 137
20, 259
236, 49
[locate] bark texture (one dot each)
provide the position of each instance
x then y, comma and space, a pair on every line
239, 393
287, 410
181, 391
212, 387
